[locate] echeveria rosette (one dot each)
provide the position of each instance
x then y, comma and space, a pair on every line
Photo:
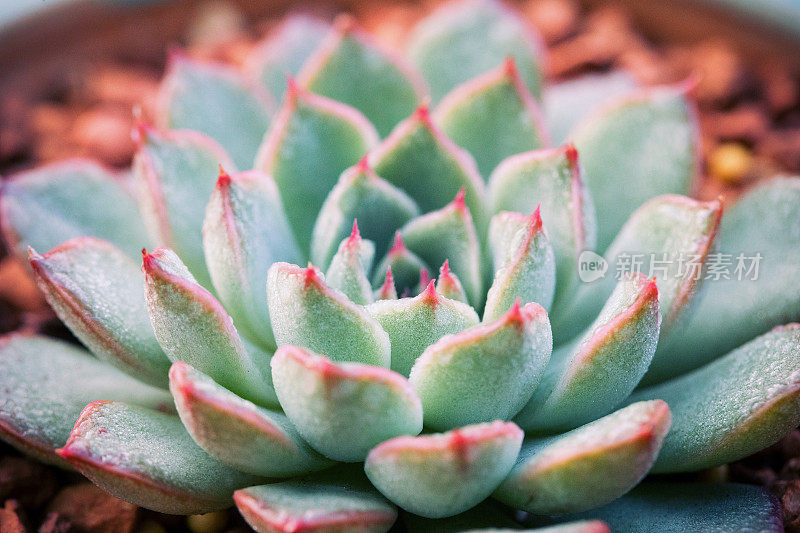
230, 369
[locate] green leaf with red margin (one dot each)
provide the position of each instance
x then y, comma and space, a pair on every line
343, 409
637, 148
461, 40
44, 385
238, 432
493, 117
146, 458
415, 323
448, 284
217, 100
192, 326
734, 406
312, 140
528, 271
96, 290
362, 195
611, 455
387, 291
487, 372
591, 378
421, 160
404, 264
306, 312
442, 474
285, 51
350, 68
44, 207
175, 173
246, 230
349, 267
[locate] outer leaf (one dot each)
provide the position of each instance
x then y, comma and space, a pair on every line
448, 284
484, 373
641, 147
567, 102
44, 384
360, 195
449, 235
307, 312
528, 273
96, 290
461, 40
732, 311
443, 474
349, 267
590, 379
668, 238
175, 172
693, 508
343, 410
734, 406
349, 67
552, 180
192, 326
237, 432
413, 324
404, 264
589, 466
44, 207
417, 154
148, 459
311, 142
245, 230
285, 50
493, 116
214, 99
314, 507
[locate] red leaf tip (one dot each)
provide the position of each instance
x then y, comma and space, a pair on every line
572, 154
535, 220
424, 277
388, 290
515, 313
458, 201
355, 235
362, 167
397, 246
293, 89
310, 275
444, 272
423, 113
510, 67
140, 131
224, 179
345, 23
429, 295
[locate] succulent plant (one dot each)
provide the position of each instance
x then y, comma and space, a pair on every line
465, 342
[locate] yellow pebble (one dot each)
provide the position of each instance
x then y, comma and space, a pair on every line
730, 162
150, 526
207, 523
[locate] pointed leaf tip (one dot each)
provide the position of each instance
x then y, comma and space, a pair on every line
397, 246
224, 179
362, 167
355, 236
572, 154
423, 113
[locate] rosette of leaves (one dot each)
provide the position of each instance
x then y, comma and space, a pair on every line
380, 307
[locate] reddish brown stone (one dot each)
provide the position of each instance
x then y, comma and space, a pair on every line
11, 520
91, 510
25, 480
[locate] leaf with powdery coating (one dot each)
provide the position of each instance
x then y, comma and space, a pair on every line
285, 51
349, 267
192, 326
146, 458
360, 195
693, 508
96, 290
413, 324
404, 264
420, 159
461, 40
486, 372
44, 385
350, 68
528, 273
443, 474
493, 116
175, 173
44, 207
345, 409
387, 291
637, 148
593, 377
733, 407
448, 284
214, 99
236, 431
312, 140
449, 234
314, 506
307, 312
611, 455
552, 180
245, 230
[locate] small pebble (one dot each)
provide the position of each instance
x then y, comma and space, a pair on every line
730, 162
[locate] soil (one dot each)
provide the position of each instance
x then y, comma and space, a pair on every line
83, 106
